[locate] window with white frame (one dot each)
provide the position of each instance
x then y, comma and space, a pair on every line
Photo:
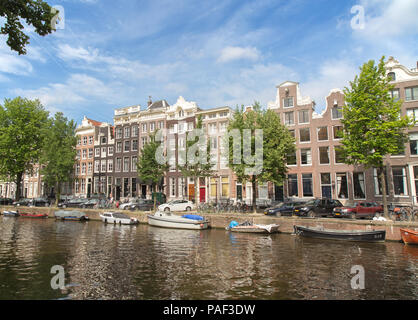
119, 133
134, 162
127, 131
110, 151
90, 139
97, 152
126, 164
413, 143
84, 140
336, 112
110, 165
359, 185
90, 168
326, 186
90, 153
322, 133
288, 102
289, 118
305, 156
399, 181
103, 166
127, 146
411, 93
84, 153
303, 116
323, 155
135, 131
342, 185
304, 135
377, 182
307, 188
83, 168
97, 166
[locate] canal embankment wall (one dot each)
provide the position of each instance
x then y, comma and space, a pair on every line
221, 220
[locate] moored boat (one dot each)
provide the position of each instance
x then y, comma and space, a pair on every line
409, 236
167, 220
347, 235
248, 227
7, 213
71, 215
33, 215
118, 218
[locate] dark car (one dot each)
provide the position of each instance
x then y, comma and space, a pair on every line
317, 208
143, 205
361, 209
73, 203
282, 209
90, 203
39, 202
22, 202
6, 201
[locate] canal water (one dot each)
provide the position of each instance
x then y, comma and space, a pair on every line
143, 262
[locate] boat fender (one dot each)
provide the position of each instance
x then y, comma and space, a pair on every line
233, 224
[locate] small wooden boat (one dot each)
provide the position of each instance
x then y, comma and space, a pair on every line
33, 215
167, 220
347, 235
74, 215
248, 227
409, 236
7, 213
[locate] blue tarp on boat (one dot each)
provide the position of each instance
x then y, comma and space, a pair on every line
193, 216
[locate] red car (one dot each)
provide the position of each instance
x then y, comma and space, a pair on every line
361, 209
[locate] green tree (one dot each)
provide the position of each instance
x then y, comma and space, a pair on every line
22, 129
58, 154
276, 141
37, 13
196, 162
372, 125
149, 169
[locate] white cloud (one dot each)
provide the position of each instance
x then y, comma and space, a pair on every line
332, 74
389, 18
238, 53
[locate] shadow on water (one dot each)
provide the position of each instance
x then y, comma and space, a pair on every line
143, 262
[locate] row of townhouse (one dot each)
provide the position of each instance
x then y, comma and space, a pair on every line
107, 154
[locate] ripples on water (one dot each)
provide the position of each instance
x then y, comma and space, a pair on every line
143, 262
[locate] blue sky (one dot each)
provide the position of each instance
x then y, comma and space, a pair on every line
113, 54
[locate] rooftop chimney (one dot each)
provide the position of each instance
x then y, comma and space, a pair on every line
149, 101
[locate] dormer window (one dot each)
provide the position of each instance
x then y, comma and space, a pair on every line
392, 76
181, 113
288, 102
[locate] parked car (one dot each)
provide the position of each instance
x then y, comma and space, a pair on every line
39, 202
283, 208
361, 209
126, 205
143, 205
6, 201
73, 203
177, 205
22, 202
317, 208
90, 203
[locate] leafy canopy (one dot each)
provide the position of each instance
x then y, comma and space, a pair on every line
35, 12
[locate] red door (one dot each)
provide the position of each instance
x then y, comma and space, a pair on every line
202, 195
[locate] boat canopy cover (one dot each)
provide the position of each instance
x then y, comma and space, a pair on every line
233, 224
193, 216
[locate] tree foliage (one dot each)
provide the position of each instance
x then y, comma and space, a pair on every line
372, 125
277, 143
58, 153
35, 12
22, 130
149, 170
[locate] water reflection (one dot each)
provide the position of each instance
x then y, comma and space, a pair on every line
142, 262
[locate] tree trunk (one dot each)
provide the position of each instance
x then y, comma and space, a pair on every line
155, 196
384, 195
58, 194
254, 186
18, 185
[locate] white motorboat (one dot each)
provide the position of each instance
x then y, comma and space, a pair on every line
168, 220
71, 215
118, 218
